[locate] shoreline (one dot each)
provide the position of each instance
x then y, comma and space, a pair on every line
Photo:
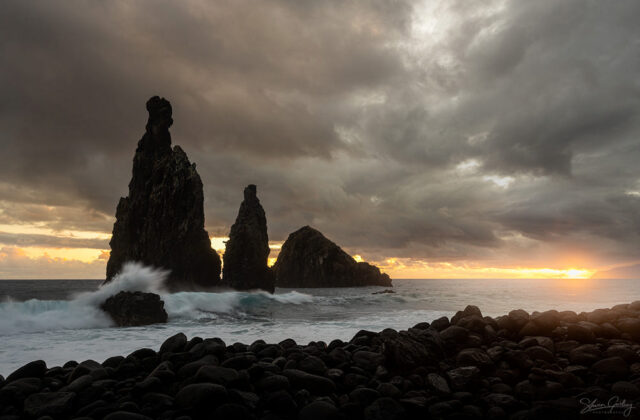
517, 366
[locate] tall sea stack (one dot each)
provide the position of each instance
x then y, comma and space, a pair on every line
309, 259
247, 250
161, 222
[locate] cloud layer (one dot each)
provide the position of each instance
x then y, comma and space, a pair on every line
502, 133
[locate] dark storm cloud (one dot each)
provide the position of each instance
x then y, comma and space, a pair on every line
26, 240
436, 130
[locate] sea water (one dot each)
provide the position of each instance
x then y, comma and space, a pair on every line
60, 320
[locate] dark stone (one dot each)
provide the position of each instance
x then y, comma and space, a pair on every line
309, 259
367, 360
233, 412
518, 318
468, 311
463, 377
126, 415
540, 353
406, 351
626, 390
454, 334
50, 403
129, 309
201, 396
587, 354
580, 333
247, 250
501, 400
282, 403
174, 344
611, 367
312, 364
217, 375
320, 410
440, 323
387, 389
34, 369
382, 292
241, 361
313, 383
161, 222
19, 389
364, 396
384, 408
474, 357
438, 384
273, 383
630, 326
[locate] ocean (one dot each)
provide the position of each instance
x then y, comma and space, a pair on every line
60, 320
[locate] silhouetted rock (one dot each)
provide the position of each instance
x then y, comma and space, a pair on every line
161, 222
129, 309
247, 250
309, 259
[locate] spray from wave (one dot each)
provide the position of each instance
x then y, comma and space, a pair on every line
83, 310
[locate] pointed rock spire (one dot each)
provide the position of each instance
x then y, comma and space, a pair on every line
247, 250
161, 222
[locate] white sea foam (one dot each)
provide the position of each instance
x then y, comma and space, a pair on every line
83, 311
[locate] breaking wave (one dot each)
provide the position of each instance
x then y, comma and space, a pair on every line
83, 310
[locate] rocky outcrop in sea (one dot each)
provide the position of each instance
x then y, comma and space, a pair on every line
161, 222
309, 259
133, 309
520, 366
247, 250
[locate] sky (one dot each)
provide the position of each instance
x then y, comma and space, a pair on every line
437, 139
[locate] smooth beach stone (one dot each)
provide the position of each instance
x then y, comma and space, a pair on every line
273, 383
320, 410
612, 367
586, 354
217, 374
20, 389
174, 344
233, 411
384, 409
368, 360
242, 361
540, 353
625, 389
364, 396
282, 403
438, 384
630, 326
35, 369
468, 311
454, 333
312, 364
79, 383
622, 350
440, 323
125, 415
501, 400
474, 357
201, 396
473, 323
313, 383
462, 377
53, 403
387, 389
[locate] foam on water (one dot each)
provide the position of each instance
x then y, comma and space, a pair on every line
83, 311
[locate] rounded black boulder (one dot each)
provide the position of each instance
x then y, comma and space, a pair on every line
129, 309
